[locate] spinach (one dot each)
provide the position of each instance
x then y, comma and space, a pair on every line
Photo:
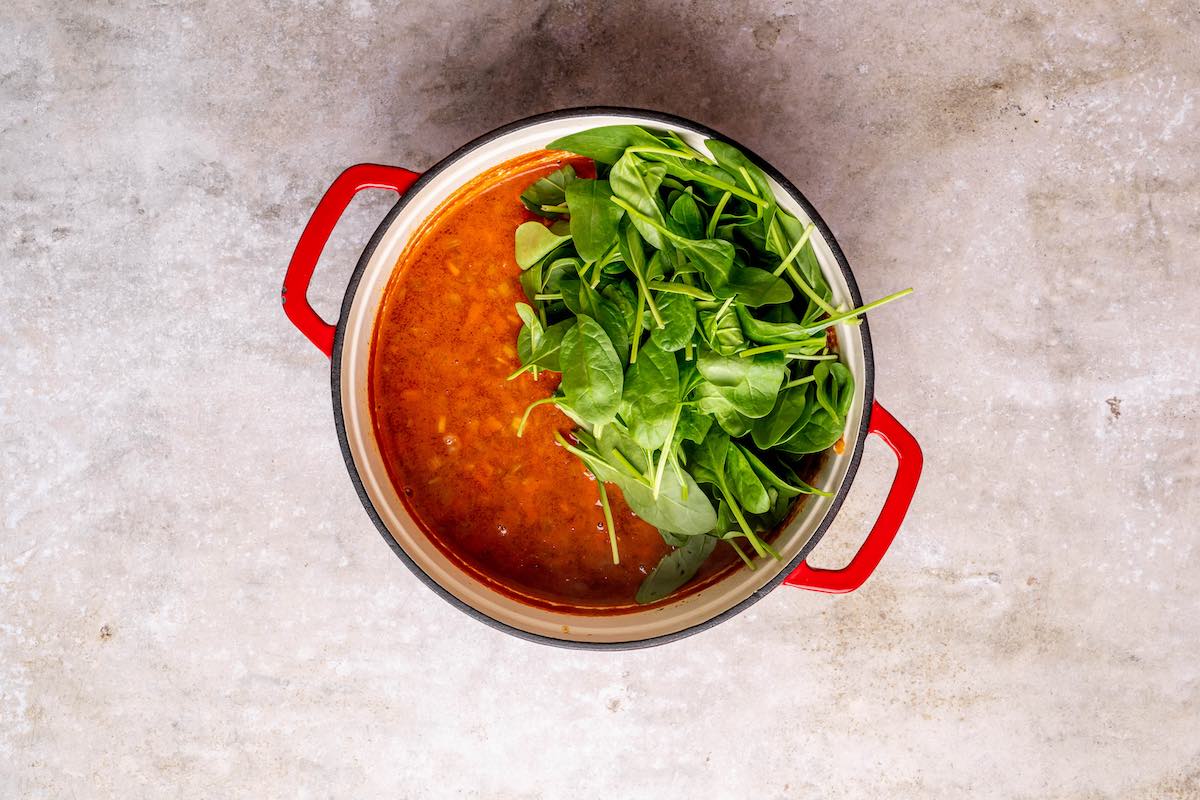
679, 322
607, 144
591, 372
753, 287
675, 569
594, 217
744, 482
651, 396
686, 214
637, 183
548, 191
686, 311
534, 241
750, 384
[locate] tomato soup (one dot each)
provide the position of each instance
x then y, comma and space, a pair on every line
520, 514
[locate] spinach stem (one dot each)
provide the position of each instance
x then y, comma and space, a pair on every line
637, 325
529, 408
749, 183
680, 288
854, 312
802, 357
742, 555
608, 520
630, 468
716, 214
654, 312
770, 348
661, 151
558, 209
700, 177
549, 296
666, 450
737, 514
809, 291
795, 251
800, 382
771, 551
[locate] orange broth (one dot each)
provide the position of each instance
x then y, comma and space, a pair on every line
520, 514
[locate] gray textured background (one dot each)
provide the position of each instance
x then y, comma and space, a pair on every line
193, 603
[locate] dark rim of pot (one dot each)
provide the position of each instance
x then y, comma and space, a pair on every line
352, 289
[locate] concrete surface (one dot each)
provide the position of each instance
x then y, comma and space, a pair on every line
194, 605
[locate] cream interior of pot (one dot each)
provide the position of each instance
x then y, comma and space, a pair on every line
685, 613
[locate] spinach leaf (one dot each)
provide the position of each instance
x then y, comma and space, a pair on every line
651, 396
674, 539
546, 354
786, 485
721, 331
687, 215
534, 241
692, 426
679, 322
681, 507
548, 191
735, 162
675, 569
606, 144
712, 257
594, 217
790, 413
752, 384
764, 332
754, 287
744, 483
591, 372
714, 401
636, 182
806, 261
821, 431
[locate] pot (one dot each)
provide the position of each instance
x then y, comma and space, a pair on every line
348, 345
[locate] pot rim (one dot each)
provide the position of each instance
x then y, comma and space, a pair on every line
352, 290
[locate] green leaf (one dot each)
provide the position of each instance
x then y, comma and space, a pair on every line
675, 569
679, 321
764, 332
806, 262
594, 217
534, 241
714, 401
733, 161
591, 372
707, 460
721, 331
682, 508
692, 426
547, 355
548, 191
636, 182
750, 384
712, 257
532, 324
790, 413
687, 214
651, 395
606, 144
778, 482
744, 483
754, 287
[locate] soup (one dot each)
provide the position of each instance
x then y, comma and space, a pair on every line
519, 514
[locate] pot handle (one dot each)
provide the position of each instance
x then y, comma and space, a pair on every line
908, 472
316, 234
